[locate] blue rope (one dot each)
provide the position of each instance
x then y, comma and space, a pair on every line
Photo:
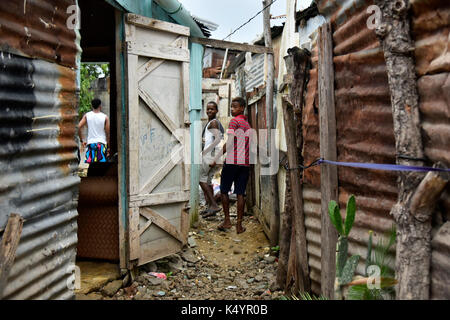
373, 166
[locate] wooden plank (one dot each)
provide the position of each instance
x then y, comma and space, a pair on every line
161, 51
162, 223
130, 32
156, 179
257, 212
8, 247
148, 67
154, 24
152, 64
134, 233
160, 198
298, 216
273, 181
185, 84
185, 76
171, 126
133, 124
158, 249
120, 143
145, 227
231, 45
184, 223
328, 173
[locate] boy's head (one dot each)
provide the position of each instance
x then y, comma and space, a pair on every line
237, 106
211, 109
96, 103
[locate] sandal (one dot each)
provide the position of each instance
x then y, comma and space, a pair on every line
211, 213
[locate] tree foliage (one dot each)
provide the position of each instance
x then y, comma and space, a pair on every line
88, 74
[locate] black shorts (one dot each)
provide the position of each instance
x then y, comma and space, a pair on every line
234, 173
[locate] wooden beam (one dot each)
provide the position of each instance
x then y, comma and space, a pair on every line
159, 198
162, 223
231, 45
8, 247
328, 150
158, 51
121, 143
298, 216
154, 24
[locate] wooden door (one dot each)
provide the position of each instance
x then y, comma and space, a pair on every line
157, 59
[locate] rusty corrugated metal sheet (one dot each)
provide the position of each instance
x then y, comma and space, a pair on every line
38, 29
431, 29
38, 163
364, 131
364, 121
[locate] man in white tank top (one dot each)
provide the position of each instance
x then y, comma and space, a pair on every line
98, 139
211, 138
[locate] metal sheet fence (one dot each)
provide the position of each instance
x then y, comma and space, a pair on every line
365, 126
38, 163
431, 28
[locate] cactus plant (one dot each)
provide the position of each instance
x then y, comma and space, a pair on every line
345, 267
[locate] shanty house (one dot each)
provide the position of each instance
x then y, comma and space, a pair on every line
155, 95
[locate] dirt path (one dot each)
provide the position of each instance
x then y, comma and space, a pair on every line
215, 265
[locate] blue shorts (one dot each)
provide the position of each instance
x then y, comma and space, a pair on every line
234, 173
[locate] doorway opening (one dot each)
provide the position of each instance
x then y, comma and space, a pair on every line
98, 204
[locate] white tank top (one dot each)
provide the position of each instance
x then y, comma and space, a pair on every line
96, 127
209, 139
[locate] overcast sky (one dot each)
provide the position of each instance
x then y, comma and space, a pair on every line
230, 14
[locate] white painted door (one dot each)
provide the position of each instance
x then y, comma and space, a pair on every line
158, 82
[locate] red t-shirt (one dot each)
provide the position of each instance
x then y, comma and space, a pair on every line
238, 127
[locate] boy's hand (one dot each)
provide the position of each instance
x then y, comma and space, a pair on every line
84, 144
213, 164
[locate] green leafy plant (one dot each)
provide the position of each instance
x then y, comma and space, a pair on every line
345, 267
275, 249
379, 257
89, 72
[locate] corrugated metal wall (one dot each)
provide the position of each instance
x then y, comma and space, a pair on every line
364, 132
254, 76
38, 159
431, 28
364, 120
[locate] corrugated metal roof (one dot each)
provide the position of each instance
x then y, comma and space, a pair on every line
38, 163
39, 29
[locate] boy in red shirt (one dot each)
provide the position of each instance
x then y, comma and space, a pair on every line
237, 164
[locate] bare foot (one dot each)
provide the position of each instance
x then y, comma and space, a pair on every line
224, 226
240, 229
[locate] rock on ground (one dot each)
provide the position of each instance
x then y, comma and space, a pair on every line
222, 265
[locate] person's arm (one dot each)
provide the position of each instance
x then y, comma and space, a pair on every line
80, 126
107, 132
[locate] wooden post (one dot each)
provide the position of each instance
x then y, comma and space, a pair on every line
285, 237
328, 173
297, 63
417, 193
121, 137
8, 246
298, 217
273, 183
